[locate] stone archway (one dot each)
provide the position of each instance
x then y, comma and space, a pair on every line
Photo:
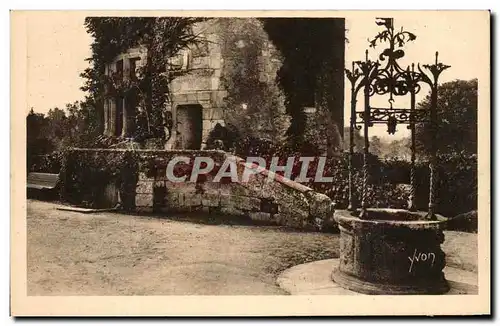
189, 126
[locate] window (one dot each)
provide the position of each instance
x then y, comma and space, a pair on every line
133, 68
119, 67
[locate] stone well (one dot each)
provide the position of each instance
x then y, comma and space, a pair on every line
392, 251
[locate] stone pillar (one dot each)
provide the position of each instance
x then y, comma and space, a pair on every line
125, 117
112, 114
106, 117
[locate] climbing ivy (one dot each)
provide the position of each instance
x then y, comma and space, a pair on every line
162, 38
254, 102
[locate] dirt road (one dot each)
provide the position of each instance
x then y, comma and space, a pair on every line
116, 254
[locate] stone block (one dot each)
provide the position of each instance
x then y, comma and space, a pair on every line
192, 98
321, 209
172, 200
144, 209
232, 211
246, 203
144, 200
144, 187
210, 200
179, 98
217, 114
192, 200
211, 187
225, 200
175, 86
239, 190
260, 216
225, 189
215, 62
203, 96
182, 187
207, 124
207, 114
215, 83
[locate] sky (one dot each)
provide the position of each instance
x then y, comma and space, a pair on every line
57, 46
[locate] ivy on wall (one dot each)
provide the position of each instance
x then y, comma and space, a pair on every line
254, 104
163, 38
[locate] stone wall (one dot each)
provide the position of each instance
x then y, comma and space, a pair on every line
200, 84
279, 201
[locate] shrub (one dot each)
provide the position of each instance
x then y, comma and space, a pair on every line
456, 189
49, 163
86, 173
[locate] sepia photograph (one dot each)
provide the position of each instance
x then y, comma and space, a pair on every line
250, 163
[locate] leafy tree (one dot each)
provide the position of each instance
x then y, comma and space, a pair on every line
36, 144
457, 114
358, 140
376, 146
399, 149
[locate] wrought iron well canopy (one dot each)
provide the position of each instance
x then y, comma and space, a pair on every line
386, 77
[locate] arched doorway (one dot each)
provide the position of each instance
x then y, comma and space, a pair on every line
189, 126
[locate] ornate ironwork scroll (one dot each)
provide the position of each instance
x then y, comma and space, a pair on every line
385, 76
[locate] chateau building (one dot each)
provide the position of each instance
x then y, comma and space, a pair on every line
198, 96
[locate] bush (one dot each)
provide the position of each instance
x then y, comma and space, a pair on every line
456, 189
49, 163
86, 173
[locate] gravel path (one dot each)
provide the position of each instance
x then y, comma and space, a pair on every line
117, 254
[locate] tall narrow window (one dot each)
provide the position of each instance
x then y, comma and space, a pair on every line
133, 68
119, 68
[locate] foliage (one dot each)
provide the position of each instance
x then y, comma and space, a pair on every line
457, 114
376, 146
358, 140
254, 103
48, 135
85, 174
399, 149
395, 149
457, 177
36, 144
163, 38
312, 69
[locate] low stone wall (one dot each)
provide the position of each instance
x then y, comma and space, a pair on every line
277, 201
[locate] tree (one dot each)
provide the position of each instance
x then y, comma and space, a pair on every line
37, 142
376, 146
358, 140
457, 117
399, 149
